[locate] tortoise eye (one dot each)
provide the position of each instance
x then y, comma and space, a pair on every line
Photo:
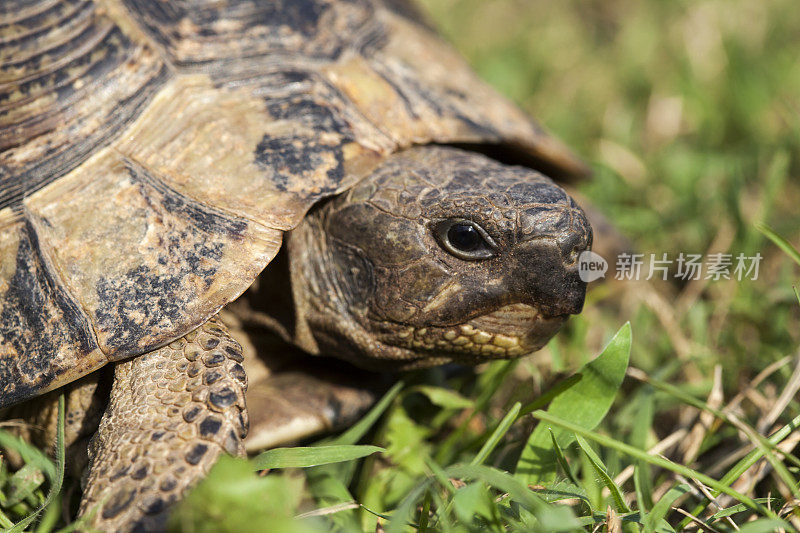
465, 239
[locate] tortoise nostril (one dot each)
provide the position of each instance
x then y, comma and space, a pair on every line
572, 257
572, 248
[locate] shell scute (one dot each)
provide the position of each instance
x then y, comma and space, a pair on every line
139, 256
87, 81
43, 333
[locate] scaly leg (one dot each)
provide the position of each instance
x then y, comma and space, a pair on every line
172, 412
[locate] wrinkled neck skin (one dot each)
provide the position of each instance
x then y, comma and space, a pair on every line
327, 305
379, 277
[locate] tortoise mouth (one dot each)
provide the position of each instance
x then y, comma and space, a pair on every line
510, 331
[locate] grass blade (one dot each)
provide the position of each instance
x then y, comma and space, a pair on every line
57, 479
562, 461
328, 483
757, 439
402, 515
765, 526
500, 480
5, 522
600, 469
490, 381
439, 474
423, 515
662, 507
636, 453
443, 397
749, 460
28, 453
780, 242
763, 444
551, 517
497, 434
552, 392
304, 457
585, 404
738, 508
328, 490
641, 474
22, 484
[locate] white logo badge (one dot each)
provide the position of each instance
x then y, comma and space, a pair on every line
591, 266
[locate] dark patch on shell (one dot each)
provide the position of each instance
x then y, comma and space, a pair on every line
214, 358
234, 354
209, 344
302, 109
149, 299
203, 216
232, 443
290, 158
142, 301
168, 484
193, 370
121, 472
231, 30
238, 373
320, 131
37, 318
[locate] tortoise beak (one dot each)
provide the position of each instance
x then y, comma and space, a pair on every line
522, 322
545, 274
547, 279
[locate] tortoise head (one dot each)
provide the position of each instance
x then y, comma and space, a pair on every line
439, 255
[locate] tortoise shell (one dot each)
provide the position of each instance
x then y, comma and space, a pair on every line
152, 154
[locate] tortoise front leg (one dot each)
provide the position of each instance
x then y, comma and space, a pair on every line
172, 412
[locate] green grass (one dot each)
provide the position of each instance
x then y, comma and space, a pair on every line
688, 112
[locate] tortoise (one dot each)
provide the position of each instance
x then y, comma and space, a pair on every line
158, 159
